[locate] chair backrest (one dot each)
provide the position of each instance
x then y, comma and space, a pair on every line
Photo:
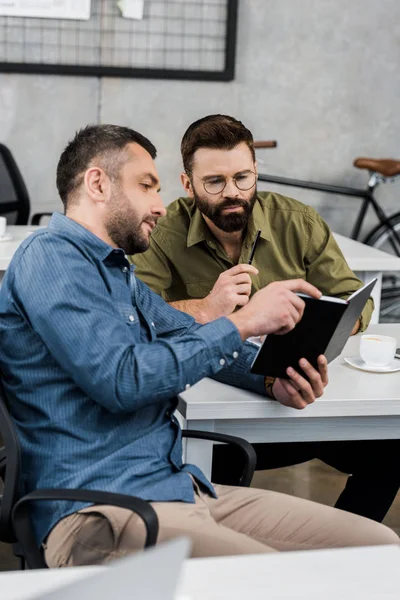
14, 197
10, 467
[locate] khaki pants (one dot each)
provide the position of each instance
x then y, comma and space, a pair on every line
240, 521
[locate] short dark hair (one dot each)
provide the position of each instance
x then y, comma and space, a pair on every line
104, 142
214, 131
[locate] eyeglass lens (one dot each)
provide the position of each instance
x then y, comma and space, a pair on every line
243, 181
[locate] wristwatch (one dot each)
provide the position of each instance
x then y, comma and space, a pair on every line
269, 382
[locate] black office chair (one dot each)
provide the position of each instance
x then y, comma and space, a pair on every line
15, 522
14, 197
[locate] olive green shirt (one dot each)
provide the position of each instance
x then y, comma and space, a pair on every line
185, 259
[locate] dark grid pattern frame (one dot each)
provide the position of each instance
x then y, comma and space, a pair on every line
177, 39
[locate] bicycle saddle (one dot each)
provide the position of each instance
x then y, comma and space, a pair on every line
385, 166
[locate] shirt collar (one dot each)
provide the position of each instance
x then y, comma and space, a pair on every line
258, 220
70, 229
199, 232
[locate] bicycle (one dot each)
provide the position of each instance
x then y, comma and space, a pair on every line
385, 236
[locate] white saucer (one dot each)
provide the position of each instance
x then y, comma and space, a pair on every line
358, 363
5, 238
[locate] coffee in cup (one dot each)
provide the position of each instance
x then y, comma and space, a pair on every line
377, 350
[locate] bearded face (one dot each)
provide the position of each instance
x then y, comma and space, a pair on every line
230, 214
127, 229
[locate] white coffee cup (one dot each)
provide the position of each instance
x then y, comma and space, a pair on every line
3, 226
377, 350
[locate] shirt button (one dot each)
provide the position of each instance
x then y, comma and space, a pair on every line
152, 324
235, 354
187, 386
222, 361
124, 269
131, 318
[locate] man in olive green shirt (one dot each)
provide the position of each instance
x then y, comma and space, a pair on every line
186, 259
198, 261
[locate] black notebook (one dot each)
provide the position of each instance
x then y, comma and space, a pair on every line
324, 329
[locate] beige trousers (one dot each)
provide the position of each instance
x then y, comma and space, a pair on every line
240, 521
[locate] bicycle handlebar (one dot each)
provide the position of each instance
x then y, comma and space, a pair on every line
266, 144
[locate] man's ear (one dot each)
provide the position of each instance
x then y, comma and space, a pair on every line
97, 184
187, 185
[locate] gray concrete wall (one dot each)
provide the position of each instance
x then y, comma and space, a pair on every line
320, 76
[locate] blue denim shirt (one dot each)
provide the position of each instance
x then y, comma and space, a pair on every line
92, 361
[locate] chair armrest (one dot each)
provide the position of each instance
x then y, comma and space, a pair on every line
23, 528
244, 446
3, 462
36, 218
3, 455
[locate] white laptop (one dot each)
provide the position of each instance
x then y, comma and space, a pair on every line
149, 575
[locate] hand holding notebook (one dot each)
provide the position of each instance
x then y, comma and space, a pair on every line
324, 328
276, 308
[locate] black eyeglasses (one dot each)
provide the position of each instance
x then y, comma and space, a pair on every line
215, 185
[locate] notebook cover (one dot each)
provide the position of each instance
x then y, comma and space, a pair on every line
324, 329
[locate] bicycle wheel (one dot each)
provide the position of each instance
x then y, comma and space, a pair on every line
382, 238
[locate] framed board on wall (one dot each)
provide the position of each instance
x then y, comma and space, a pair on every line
176, 39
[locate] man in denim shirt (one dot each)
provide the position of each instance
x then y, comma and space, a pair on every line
92, 361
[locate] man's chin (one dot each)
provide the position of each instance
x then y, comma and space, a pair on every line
140, 248
137, 246
231, 225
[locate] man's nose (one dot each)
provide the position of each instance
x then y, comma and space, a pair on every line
230, 188
159, 208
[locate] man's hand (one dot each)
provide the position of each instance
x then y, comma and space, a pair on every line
297, 392
274, 309
356, 327
232, 288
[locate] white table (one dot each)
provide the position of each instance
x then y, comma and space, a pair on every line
348, 574
368, 262
356, 405
8, 249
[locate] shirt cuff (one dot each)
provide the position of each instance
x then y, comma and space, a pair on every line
223, 341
